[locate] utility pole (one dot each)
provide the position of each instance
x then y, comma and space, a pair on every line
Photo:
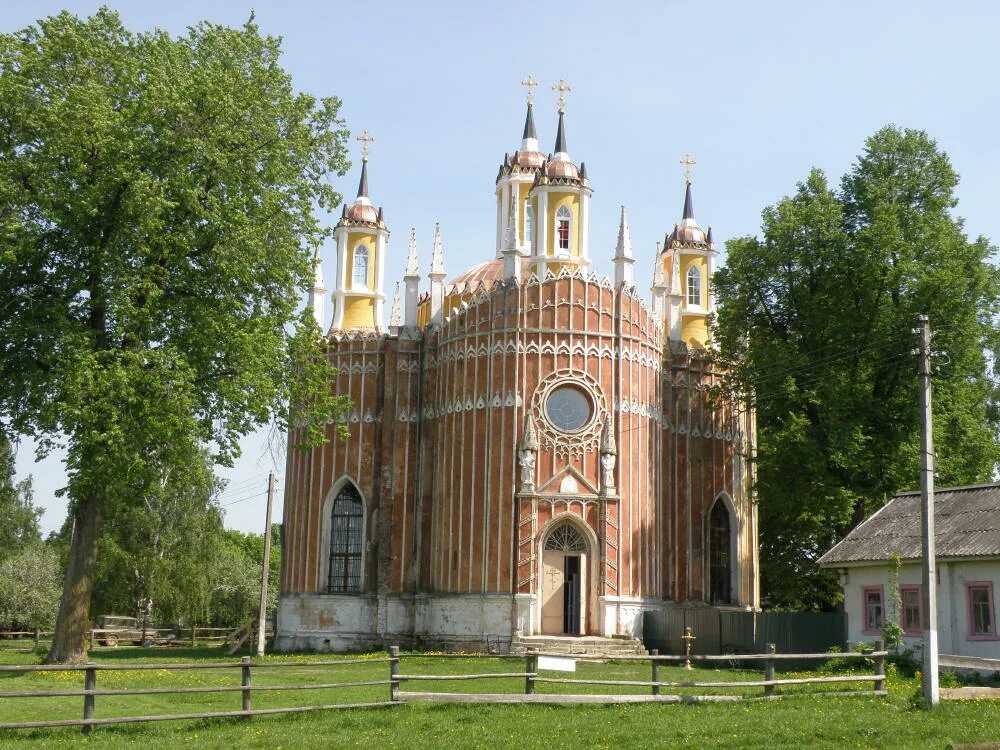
261, 618
930, 672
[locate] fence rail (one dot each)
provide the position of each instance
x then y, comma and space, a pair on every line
246, 688
395, 679
13, 640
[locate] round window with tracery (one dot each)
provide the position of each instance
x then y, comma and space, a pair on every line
568, 409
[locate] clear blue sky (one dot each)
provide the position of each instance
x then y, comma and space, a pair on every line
758, 92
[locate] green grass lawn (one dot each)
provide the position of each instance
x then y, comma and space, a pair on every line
804, 719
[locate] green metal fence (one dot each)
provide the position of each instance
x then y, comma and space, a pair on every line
722, 631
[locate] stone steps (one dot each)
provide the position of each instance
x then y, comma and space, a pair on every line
590, 645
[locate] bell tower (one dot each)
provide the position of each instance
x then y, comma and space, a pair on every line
514, 181
560, 206
687, 263
361, 237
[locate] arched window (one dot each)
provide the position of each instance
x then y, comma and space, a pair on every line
529, 222
562, 227
346, 538
565, 538
694, 286
361, 266
719, 555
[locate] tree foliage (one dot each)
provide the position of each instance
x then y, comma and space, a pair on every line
29, 587
816, 326
157, 200
18, 515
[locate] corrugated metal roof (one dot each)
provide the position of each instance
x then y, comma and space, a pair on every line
966, 520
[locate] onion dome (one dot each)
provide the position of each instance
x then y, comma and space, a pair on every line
687, 233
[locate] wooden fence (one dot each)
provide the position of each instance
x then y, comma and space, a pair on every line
532, 678
973, 663
245, 687
395, 678
15, 640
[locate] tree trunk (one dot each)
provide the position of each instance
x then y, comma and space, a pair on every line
69, 642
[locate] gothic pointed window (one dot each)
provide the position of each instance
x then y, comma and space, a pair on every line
562, 227
346, 539
694, 287
719, 555
361, 267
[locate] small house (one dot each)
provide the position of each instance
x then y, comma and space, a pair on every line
967, 535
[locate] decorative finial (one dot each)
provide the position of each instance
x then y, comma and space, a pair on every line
530, 83
365, 139
688, 162
437, 256
562, 87
411, 259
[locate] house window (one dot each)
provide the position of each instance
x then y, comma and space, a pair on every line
361, 266
982, 622
694, 287
719, 562
529, 222
872, 598
346, 537
562, 227
910, 614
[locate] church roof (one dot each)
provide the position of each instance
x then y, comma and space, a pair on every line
687, 233
966, 519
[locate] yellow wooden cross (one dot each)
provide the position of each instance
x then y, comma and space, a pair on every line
688, 162
530, 83
365, 140
562, 87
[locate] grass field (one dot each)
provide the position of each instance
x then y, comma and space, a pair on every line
805, 720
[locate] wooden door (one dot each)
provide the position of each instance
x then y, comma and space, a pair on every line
553, 595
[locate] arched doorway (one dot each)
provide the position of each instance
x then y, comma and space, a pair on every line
720, 555
564, 581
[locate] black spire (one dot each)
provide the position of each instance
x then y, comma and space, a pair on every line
363, 185
560, 137
529, 124
688, 206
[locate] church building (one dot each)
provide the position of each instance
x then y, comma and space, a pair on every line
533, 449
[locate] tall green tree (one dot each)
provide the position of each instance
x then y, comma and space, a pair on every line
816, 326
157, 552
29, 587
18, 515
157, 213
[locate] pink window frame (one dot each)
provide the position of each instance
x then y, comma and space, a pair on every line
920, 608
988, 585
868, 630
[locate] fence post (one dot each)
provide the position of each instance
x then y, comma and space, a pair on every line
38, 637
89, 683
393, 673
194, 636
880, 664
530, 667
656, 670
769, 670
246, 686
91, 640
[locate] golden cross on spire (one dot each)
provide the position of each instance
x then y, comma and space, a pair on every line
562, 87
530, 83
688, 162
365, 140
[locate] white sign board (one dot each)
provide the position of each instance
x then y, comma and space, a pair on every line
557, 663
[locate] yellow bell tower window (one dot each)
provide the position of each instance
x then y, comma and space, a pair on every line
562, 227
694, 287
360, 279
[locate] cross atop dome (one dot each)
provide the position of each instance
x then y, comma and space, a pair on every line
365, 139
562, 87
688, 162
530, 83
